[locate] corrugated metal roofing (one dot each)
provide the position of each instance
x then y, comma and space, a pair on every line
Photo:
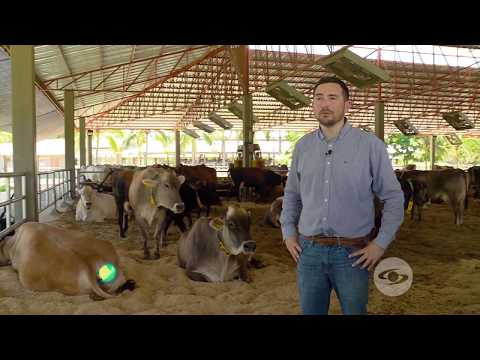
169, 86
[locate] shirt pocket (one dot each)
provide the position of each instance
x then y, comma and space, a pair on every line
352, 172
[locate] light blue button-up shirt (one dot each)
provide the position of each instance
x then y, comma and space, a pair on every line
331, 192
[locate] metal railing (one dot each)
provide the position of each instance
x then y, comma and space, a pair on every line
52, 186
9, 219
97, 176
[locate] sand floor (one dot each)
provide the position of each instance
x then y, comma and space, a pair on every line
445, 260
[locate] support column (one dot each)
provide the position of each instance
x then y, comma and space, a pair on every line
82, 141
146, 148
89, 146
70, 139
177, 148
279, 142
98, 145
433, 139
194, 151
240, 59
24, 130
379, 119
247, 131
224, 155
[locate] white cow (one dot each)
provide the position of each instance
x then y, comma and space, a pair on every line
94, 206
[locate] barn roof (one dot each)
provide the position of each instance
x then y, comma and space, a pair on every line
170, 86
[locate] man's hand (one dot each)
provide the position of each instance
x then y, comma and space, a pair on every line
370, 255
293, 247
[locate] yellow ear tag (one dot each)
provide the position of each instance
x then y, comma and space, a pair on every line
216, 223
152, 200
410, 205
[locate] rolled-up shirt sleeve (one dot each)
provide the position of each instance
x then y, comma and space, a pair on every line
292, 201
387, 188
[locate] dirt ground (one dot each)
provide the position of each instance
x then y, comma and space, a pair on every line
445, 260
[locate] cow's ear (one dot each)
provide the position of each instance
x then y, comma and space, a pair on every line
181, 179
216, 223
149, 183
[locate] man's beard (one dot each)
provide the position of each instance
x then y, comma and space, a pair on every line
329, 121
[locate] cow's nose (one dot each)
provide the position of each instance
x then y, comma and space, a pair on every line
179, 208
88, 204
249, 246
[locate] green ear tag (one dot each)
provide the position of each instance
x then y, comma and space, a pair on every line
107, 273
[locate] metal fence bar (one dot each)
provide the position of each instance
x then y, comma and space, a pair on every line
8, 203
58, 189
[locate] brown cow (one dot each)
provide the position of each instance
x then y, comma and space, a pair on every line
218, 250
208, 177
262, 180
449, 185
49, 258
272, 215
152, 193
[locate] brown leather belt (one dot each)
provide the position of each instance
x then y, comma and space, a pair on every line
342, 241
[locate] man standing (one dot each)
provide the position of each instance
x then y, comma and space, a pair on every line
328, 207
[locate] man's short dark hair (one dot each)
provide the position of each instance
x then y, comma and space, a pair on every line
333, 79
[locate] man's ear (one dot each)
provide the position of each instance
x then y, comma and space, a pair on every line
216, 223
348, 104
149, 183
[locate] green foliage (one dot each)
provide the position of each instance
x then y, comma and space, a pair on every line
164, 139
292, 137
412, 149
5, 137
185, 142
113, 144
208, 139
404, 146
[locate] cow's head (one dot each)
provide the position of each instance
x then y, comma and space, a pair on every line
164, 189
86, 195
235, 231
420, 193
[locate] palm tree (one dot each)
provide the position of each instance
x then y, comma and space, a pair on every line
164, 139
139, 138
292, 137
5, 137
118, 142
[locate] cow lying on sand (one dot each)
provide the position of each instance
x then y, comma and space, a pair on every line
218, 250
49, 258
94, 206
272, 216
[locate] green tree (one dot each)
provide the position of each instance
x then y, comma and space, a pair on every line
404, 147
119, 141
291, 137
164, 139
469, 152
5, 137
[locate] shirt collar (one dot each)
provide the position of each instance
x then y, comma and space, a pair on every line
343, 131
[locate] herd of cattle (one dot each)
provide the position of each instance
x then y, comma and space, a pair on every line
209, 249
443, 184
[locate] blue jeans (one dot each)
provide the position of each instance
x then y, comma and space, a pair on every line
323, 267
